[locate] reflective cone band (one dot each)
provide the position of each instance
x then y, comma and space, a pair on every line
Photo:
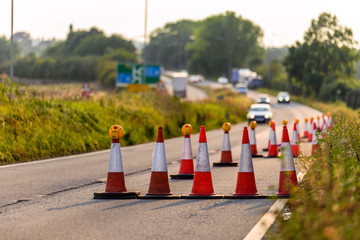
287, 167
273, 150
159, 182
297, 128
202, 184
306, 128
245, 184
315, 144
318, 124
226, 149
294, 142
186, 163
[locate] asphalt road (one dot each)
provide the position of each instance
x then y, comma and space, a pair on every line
53, 199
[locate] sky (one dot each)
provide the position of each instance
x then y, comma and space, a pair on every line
283, 21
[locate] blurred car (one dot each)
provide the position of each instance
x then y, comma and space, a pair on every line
260, 113
222, 80
283, 97
241, 88
196, 78
263, 98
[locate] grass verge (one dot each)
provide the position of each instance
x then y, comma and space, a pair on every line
45, 123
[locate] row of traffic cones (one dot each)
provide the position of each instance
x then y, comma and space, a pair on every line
202, 183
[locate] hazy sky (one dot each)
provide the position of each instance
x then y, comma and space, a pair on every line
283, 21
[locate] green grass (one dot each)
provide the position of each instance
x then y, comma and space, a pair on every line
47, 122
327, 203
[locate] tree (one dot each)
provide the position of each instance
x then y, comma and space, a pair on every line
225, 41
328, 53
167, 44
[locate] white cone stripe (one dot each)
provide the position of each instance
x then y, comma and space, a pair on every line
115, 163
273, 138
306, 128
252, 137
294, 138
202, 159
297, 128
314, 140
226, 143
245, 163
187, 150
287, 160
159, 158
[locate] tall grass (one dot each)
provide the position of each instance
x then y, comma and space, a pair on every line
327, 204
45, 124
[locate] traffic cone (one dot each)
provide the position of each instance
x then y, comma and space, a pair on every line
273, 150
318, 124
287, 166
315, 144
306, 128
186, 164
245, 184
323, 126
297, 128
226, 156
254, 152
270, 132
295, 142
202, 184
311, 130
329, 122
115, 184
159, 182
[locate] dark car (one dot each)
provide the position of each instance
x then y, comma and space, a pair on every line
283, 97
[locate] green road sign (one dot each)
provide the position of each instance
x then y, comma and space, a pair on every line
130, 73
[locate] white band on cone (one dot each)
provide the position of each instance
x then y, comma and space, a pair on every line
226, 143
202, 159
273, 138
245, 163
297, 128
294, 138
187, 150
252, 137
159, 158
115, 163
306, 128
287, 160
314, 139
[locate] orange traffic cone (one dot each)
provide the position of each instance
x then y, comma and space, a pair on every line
287, 167
226, 156
186, 164
315, 144
273, 150
295, 142
159, 182
202, 184
115, 184
253, 147
270, 132
245, 184
318, 124
329, 122
297, 128
306, 128
311, 129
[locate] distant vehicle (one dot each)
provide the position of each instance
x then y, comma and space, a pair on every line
222, 80
179, 81
283, 97
241, 88
255, 83
196, 78
263, 98
260, 113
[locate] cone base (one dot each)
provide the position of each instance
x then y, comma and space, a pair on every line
159, 184
116, 195
245, 184
258, 196
286, 181
257, 155
202, 196
182, 176
150, 196
265, 149
225, 164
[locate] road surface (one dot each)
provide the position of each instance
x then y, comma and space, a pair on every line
53, 199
